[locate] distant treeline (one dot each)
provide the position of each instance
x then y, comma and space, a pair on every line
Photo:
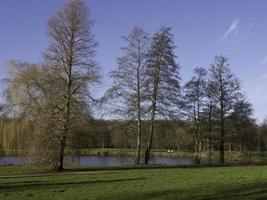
16, 136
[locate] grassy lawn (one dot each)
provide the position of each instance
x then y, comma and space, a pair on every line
171, 183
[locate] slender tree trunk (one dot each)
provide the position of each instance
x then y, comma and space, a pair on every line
151, 133
230, 151
139, 142
139, 120
210, 132
68, 106
197, 161
198, 142
64, 137
210, 149
200, 148
222, 137
61, 153
154, 107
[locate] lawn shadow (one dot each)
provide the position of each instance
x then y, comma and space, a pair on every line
252, 191
44, 184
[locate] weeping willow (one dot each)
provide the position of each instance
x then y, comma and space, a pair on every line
15, 135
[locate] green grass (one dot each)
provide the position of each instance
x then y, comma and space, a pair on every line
22, 170
201, 183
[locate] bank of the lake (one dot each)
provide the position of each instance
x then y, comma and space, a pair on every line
237, 183
113, 152
119, 157
131, 152
103, 161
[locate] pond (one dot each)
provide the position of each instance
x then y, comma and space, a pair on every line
104, 161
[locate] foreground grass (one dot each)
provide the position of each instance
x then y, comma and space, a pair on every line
170, 183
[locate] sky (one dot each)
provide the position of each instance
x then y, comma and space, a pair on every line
202, 30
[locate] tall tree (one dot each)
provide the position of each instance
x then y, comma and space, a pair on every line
70, 60
242, 126
209, 116
225, 88
27, 97
194, 97
128, 85
163, 80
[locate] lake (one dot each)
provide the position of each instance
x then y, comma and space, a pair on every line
104, 161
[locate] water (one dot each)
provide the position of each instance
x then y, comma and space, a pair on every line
104, 161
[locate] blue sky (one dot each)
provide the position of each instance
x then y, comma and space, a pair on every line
202, 29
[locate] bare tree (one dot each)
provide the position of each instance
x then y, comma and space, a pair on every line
162, 75
225, 89
33, 101
209, 115
30, 94
70, 60
194, 98
242, 126
129, 82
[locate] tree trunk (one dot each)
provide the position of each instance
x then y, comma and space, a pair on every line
210, 132
154, 104
61, 153
197, 156
68, 104
139, 120
139, 142
154, 107
230, 151
198, 142
222, 139
64, 137
147, 152
210, 149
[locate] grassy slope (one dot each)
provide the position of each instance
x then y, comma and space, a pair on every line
181, 183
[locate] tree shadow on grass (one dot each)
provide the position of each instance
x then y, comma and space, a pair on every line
45, 184
254, 191
238, 191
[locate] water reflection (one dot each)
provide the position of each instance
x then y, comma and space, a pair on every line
103, 161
